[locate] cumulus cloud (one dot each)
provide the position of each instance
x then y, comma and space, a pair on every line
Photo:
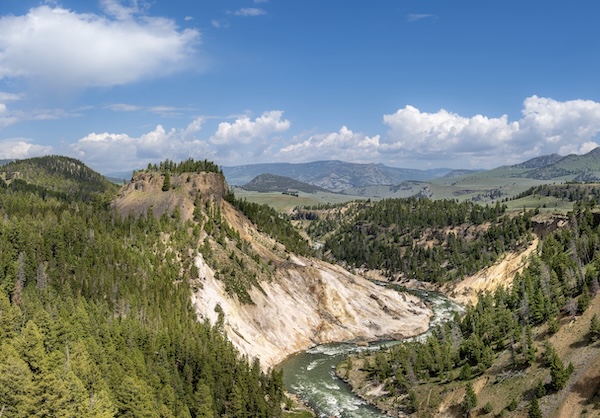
547, 126
413, 130
415, 138
561, 123
109, 151
60, 47
343, 145
19, 148
244, 130
249, 11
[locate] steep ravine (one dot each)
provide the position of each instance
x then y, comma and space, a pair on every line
304, 302
308, 302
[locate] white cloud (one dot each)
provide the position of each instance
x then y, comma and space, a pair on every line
421, 16
58, 47
249, 11
118, 10
167, 111
415, 138
21, 148
10, 117
109, 151
429, 133
123, 107
244, 130
343, 145
9, 97
547, 126
561, 123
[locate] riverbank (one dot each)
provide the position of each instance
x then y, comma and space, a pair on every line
502, 389
312, 374
307, 302
355, 377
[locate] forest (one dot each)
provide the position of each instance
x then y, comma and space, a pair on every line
427, 240
559, 281
96, 318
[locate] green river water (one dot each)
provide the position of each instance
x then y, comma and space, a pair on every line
311, 374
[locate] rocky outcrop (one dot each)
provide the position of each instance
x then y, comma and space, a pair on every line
308, 302
145, 193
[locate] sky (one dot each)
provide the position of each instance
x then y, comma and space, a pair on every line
420, 84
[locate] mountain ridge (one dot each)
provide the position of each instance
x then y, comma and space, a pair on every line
333, 175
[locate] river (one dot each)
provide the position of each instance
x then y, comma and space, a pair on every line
311, 374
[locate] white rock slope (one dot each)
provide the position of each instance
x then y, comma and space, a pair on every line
310, 302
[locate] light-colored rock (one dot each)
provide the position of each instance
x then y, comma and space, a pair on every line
489, 279
310, 302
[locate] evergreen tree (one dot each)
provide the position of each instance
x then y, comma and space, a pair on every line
584, 299
203, 402
540, 389
594, 328
534, 410
166, 182
470, 400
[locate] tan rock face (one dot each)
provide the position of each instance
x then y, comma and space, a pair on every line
144, 193
309, 302
489, 279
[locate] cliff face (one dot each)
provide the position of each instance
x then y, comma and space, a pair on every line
308, 302
302, 302
144, 193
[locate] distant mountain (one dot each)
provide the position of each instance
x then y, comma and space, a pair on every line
272, 183
539, 162
553, 167
119, 176
571, 167
4, 162
332, 175
460, 173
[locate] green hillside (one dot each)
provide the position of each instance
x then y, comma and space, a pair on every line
58, 175
95, 310
427, 240
272, 183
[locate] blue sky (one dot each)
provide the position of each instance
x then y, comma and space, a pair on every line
414, 83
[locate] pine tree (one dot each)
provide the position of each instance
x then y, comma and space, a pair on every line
540, 389
167, 182
594, 328
203, 402
584, 299
470, 400
534, 409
